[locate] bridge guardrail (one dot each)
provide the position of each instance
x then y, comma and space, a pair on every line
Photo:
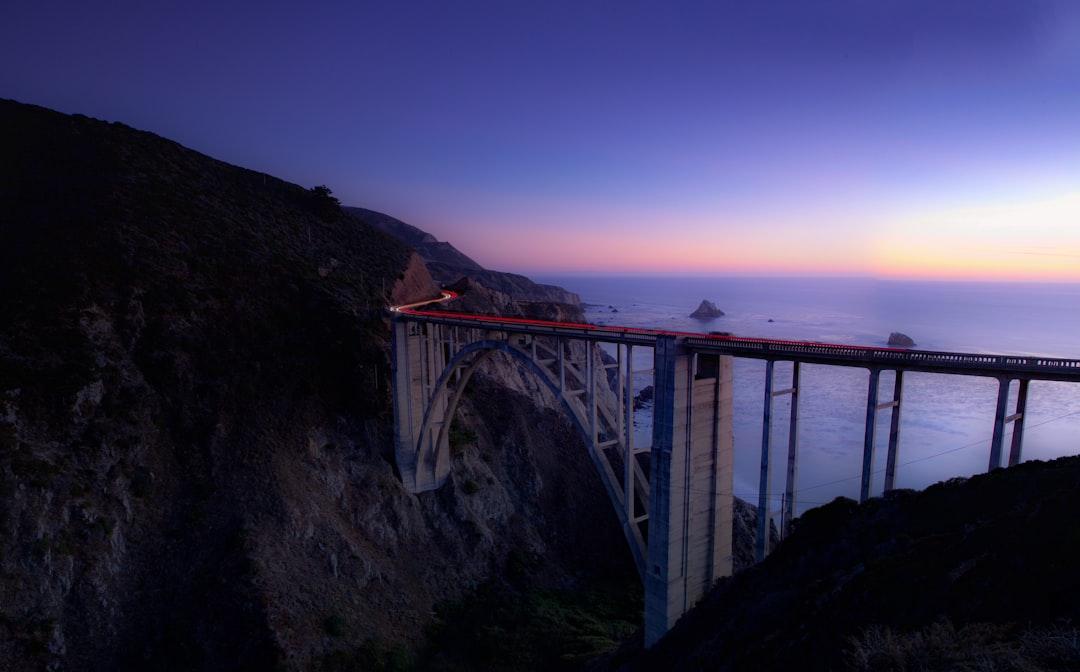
1053, 368
1034, 367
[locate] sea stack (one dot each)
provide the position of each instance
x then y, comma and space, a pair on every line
707, 311
900, 340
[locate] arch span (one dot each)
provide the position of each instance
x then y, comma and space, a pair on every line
676, 514
582, 402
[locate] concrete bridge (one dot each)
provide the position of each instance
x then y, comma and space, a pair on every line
673, 497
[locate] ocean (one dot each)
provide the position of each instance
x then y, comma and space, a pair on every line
946, 421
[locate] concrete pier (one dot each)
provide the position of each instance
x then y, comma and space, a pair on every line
692, 471
421, 444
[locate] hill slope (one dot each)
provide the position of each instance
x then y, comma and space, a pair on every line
195, 430
961, 574
448, 265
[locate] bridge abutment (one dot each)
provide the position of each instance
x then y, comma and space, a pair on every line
691, 476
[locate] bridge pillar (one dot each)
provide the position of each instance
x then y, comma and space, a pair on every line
894, 430
872, 407
1000, 420
421, 444
868, 438
1018, 423
691, 479
764, 513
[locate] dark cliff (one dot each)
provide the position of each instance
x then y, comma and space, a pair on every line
969, 574
195, 429
448, 265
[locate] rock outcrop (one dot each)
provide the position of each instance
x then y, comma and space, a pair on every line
414, 284
707, 310
899, 340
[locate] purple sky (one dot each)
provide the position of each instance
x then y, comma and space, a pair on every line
937, 139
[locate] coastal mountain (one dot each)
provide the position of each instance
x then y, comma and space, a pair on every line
196, 452
444, 259
447, 265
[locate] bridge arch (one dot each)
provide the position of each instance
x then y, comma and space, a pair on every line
675, 512
443, 401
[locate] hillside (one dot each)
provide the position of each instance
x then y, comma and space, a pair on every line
448, 265
196, 463
969, 574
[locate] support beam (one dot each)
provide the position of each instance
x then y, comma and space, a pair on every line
1018, 424
868, 439
626, 385
658, 582
793, 454
999, 423
761, 544
894, 431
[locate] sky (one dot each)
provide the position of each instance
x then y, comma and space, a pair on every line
891, 138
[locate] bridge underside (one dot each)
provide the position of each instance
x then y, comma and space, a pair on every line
675, 509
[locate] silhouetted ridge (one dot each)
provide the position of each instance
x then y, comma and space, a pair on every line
196, 439
994, 553
448, 265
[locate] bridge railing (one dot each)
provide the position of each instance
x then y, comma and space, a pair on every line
955, 362
591, 332
1033, 367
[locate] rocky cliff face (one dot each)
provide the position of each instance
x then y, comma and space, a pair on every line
447, 265
195, 428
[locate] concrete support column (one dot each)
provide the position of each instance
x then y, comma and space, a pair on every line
1000, 420
761, 545
626, 387
1018, 424
894, 432
999, 424
868, 439
792, 455
787, 513
691, 478
421, 449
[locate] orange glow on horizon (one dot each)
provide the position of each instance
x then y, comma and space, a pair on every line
1034, 241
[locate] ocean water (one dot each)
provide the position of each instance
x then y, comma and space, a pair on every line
946, 421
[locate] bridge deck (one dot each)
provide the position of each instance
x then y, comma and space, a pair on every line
961, 363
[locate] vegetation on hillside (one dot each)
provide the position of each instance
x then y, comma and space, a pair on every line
170, 326
966, 570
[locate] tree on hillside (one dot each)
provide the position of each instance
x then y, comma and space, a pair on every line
327, 204
323, 192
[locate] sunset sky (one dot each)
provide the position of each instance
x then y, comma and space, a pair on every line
882, 137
